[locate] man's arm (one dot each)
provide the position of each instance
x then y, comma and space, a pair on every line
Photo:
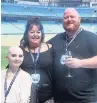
89, 63
83, 63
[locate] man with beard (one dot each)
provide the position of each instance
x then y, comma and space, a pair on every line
75, 78
38, 61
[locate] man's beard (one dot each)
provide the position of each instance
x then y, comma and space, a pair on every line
72, 30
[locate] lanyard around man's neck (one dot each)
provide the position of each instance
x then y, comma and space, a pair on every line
75, 35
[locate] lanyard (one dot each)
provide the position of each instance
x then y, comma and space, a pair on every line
35, 59
6, 91
75, 35
35, 94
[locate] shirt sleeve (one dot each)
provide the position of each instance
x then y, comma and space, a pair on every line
93, 44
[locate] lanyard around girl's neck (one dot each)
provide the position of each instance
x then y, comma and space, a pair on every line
6, 91
35, 59
75, 35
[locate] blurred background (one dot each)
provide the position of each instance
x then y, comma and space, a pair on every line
14, 15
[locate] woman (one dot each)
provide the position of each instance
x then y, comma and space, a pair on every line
16, 83
38, 59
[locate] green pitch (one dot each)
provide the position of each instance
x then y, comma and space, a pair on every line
3, 56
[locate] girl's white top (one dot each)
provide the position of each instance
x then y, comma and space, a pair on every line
21, 89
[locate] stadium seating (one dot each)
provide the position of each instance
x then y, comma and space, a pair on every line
25, 10
19, 9
43, 11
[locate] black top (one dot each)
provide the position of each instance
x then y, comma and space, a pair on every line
83, 85
44, 68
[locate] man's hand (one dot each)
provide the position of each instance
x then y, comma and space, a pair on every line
73, 63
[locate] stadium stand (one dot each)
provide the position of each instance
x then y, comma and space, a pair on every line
50, 16
42, 11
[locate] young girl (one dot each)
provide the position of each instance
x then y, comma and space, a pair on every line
16, 83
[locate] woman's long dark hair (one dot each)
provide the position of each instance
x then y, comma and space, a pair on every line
30, 23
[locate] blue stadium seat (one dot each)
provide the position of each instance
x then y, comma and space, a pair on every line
19, 9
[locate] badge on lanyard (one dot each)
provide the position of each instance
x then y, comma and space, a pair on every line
63, 59
35, 78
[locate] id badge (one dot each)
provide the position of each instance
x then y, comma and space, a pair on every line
63, 59
35, 78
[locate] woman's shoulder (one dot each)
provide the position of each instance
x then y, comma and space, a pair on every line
25, 76
3, 71
45, 47
25, 73
25, 49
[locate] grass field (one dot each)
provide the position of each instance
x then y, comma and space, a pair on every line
3, 56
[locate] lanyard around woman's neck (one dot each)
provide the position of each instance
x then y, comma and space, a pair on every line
35, 59
6, 91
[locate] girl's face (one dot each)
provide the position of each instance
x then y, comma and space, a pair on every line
15, 57
34, 36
